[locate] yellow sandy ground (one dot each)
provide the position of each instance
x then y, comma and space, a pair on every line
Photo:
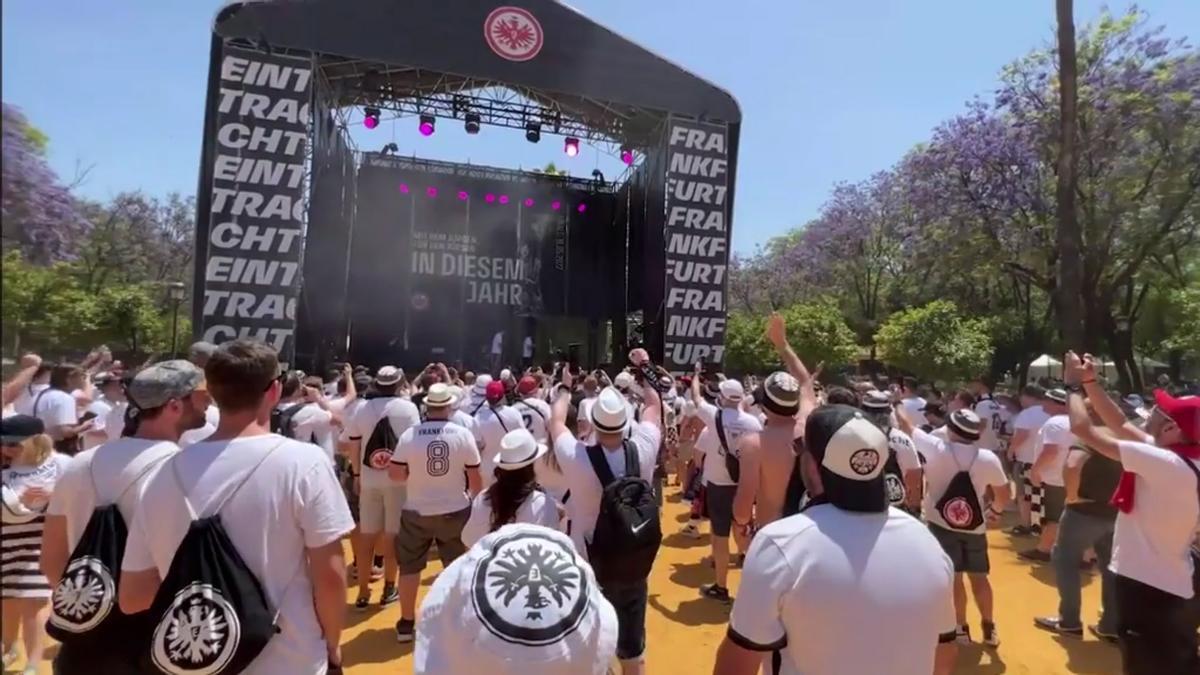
684, 629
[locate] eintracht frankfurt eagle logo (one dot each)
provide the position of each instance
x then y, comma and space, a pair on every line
198, 635
84, 597
530, 590
513, 33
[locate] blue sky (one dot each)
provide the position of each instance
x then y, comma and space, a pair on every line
830, 89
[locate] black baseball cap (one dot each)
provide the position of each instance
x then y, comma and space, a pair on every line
850, 452
15, 429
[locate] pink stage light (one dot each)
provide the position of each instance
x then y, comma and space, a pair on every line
503, 199
370, 122
431, 191
582, 208
556, 205
571, 147
404, 188
462, 195
426, 125
489, 198
627, 156
528, 202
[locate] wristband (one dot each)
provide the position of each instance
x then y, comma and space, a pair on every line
1091, 381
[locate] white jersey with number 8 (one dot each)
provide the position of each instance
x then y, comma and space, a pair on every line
437, 454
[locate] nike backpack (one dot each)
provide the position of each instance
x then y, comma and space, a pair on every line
84, 616
210, 615
628, 534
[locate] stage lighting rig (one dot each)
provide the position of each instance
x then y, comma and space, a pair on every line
390, 149
471, 123
627, 155
370, 117
533, 132
571, 147
426, 125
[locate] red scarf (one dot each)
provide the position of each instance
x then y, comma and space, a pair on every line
1124, 495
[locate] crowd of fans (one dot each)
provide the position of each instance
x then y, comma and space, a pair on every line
196, 510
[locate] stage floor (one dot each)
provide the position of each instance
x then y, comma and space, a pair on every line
683, 630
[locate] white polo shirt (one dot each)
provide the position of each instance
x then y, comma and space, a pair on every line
814, 585
1152, 543
737, 423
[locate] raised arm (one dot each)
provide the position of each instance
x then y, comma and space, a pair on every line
14, 387
777, 334
557, 425
1100, 439
1107, 409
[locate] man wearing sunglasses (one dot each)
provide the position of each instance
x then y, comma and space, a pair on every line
1158, 503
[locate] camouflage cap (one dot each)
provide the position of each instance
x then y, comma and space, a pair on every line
163, 381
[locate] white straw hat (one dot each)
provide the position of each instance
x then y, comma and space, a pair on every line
610, 412
518, 449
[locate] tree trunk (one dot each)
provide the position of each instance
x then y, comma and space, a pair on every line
1129, 374
1069, 238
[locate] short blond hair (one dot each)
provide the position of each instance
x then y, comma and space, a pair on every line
35, 450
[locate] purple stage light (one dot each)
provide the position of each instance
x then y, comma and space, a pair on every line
582, 208
489, 198
426, 125
431, 191
462, 195
503, 199
528, 202
370, 117
556, 205
627, 156
571, 147
404, 188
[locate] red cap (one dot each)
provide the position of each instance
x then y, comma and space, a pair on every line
527, 385
1183, 411
495, 391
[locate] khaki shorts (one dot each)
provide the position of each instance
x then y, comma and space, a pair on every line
418, 532
379, 509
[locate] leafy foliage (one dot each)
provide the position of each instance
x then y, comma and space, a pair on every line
817, 332
936, 342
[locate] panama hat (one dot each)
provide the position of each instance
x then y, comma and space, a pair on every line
518, 449
439, 396
610, 413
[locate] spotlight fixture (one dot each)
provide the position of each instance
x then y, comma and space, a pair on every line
556, 205
626, 155
533, 132
503, 199
370, 117
404, 188
426, 125
431, 191
528, 202
581, 208
571, 146
390, 149
463, 196
471, 123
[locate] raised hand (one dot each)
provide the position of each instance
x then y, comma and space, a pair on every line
776, 330
1072, 368
1089, 368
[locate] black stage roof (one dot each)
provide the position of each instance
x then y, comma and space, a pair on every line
397, 49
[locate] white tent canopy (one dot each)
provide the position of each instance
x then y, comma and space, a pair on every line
1045, 366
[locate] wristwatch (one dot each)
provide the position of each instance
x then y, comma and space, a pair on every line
1074, 388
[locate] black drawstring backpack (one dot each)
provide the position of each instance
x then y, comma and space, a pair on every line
211, 614
959, 505
84, 615
893, 481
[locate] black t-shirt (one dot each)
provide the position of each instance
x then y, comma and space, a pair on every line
1097, 482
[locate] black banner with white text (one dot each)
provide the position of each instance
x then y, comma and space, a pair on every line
697, 244
256, 209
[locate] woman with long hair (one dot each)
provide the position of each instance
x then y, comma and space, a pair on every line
32, 468
515, 497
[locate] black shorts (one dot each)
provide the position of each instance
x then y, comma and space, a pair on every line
418, 532
629, 601
718, 501
1054, 500
968, 551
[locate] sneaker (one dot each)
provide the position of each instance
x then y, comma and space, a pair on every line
990, 637
691, 530
406, 629
362, 602
962, 635
1019, 531
1102, 635
376, 573
1055, 625
1034, 555
389, 595
716, 592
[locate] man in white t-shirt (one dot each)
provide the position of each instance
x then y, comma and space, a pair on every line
1022, 450
380, 500
305, 412
846, 566
494, 419
284, 514
58, 410
610, 420
903, 475
39, 380
439, 461
583, 415
116, 472
534, 411
959, 477
1053, 443
1158, 513
911, 401
729, 499
110, 395
527, 352
497, 351
994, 414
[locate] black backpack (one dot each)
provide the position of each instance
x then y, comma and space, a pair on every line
893, 481
281, 419
628, 534
84, 615
959, 505
377, 453
210, 614
732, 464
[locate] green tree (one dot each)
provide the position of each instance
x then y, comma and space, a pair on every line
1185, 315
936, 341
817, 331
44, 307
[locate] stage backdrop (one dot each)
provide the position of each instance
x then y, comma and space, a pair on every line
441, 262
251, 205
